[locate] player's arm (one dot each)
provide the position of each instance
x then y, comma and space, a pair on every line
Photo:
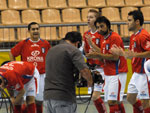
102, 56
130, 54
145, 54
18, 98
12, 58
86, 74
19, 95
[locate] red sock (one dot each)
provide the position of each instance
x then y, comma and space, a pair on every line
121, 108
17, 109
137, 107
147, 110
100, 106
31, 108
39, 108
24, 108
114, 109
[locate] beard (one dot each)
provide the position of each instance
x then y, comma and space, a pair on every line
131, 29
103, 32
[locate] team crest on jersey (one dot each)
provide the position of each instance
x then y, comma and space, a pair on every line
134, 44
107, 46
97, 41
43, 50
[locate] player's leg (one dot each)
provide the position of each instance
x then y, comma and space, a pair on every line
39, 97
30, 96
17, 107
96, 97
113, 93
122, 78
143, 88
132, 95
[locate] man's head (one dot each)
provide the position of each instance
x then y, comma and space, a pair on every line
74, 37
34, 30
135, 20
103, 25
91, 17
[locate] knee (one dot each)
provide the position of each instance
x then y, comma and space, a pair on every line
131, 99
39, 102
95, 95
112, 102
145, 103
30, 99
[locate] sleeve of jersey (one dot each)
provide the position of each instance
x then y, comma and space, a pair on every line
16, 50
145, 42
48, 44
78, 60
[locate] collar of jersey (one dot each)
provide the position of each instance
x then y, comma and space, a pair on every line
35, 41
93, 32
105, 37
138, 32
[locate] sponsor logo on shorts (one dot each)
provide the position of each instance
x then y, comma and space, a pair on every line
31, 90
112, 94
143, 94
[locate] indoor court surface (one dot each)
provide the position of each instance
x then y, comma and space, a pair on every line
91, 109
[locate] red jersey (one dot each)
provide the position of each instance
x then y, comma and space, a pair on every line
113, 67
34, 52
96, 39
17, 73
139, 42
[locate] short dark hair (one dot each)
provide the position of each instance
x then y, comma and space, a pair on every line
74, 36
137, 15
30, 24
103, 19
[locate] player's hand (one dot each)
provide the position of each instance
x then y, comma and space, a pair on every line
89, 39
115, 50
129, 54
